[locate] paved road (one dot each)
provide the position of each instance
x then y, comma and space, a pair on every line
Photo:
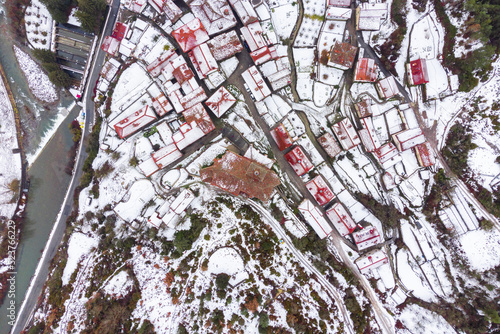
57, 233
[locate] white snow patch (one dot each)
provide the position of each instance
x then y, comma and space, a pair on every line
79, 247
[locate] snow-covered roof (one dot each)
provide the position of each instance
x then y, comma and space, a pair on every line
203, 60
172, 11
328, 142
253, 154
407, 139
339, 3
190, 35
109, 69
148, 167
166, 155
244, 10
220, 102
161, 105
141, 192
315, 218
256, 83
215, 15
387, 87
134, 122
299, 161
388, 181
336, 13
346, 134
110, 45
320, 190
368, 135
367, 237
364, 107
371, 260
281, 137
182, 201
366, 70
387, 155
199, 115
417, 72
342, 55
263, 54
371, 15
161, 62
225, 45
253, 35
341, 219
424, 154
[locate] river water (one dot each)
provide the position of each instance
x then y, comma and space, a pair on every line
48, 179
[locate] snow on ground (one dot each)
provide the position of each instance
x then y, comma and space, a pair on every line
79, 247
482, 161
284, 18
227, 260
412, 278
38, 22
38, 81
482, 248
129, 88
417, 319
10, 164
119, 285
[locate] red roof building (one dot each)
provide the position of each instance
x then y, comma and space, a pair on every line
203, 61
190, 35
281, 137
253, 35
172, 11
366, 70
110, 45
315, 218
341, 219
368, 136
424, 154
215, 15
367, 237
387, 155
134, 122
166, 155
161, 105
320, 190
407, 139
387, 87
225, 45
256, 83
119, 31
199, 115
330, 145
342, 55
264, 54
346, 134
417, 72
364, 107
371, 260
299, 161
220, 102
245, 11
160, 63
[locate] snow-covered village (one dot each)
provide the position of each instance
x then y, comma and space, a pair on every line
250, 166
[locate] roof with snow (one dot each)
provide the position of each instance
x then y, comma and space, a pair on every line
364, 107
215, 15
134, 122
119, 31
236, 174
367, 237
388, 181
244, 10
148, 167
190, 35
330, 145
166, 155
320, 190
371, 260
110, 45
199, 115
161, 105
256, 83
368, 135
369, 16
346, 134
263, 54
161, 62
387, 155
407, 139
342, 55
366, 70
182, 201
172, 11
417, 72
315, 218
220, 102
387, 87
299, 161
253, 35
339, 3
109, 69
281, 137
225, 45
336, 13
203, 60
341, 219
424, 154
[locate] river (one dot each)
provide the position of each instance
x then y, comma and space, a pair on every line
48, 179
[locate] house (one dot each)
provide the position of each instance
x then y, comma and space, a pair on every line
281, 137
339, 3
320, 190
190, 35
220, 102
346, 134
171, 10
254, 36
276, 68
264, 54
387, 87
424, 154
203, 61
408, 116
342, 55
367, 237
148, 167
182, 202
330, 145
109, 69
110, 45
166, 155
197, 125
338, 13
215, 15
245, 11
371, 260
256, 83
407, 139
315, 218
417, 72
134, 122
225, 45
161, 62
341, 219
119, 31
364, 107
161, 105
299, 161
366, 70
370, 15
387, 155
239, 175
368, 136
388, 181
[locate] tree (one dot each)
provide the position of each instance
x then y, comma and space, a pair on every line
60, 78
90, 13
222, 281
59, 9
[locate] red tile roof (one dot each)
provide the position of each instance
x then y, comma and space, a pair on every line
367, 237
346, 134
418, 71
299, 161
342, 55
341, 219
190, 35
281, 137
110, 45
364, 107
330, 145
366, 70
320, 190
424, 154
199, 115
119, 31
220, 102
132, 123
315, 218
166, 155
225, 45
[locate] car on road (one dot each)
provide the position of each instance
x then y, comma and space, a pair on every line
249, 92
